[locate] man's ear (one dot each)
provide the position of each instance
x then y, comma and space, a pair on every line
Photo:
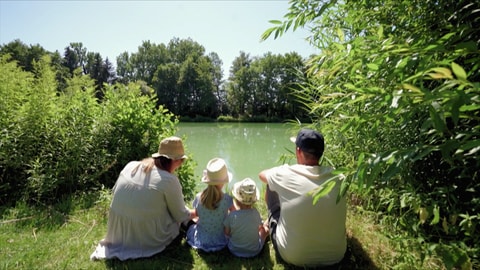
300, 156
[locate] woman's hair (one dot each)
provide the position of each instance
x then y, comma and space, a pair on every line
211, 196
164, 163
161, 162
147, 164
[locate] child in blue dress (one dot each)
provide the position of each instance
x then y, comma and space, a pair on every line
211, 206
244, 226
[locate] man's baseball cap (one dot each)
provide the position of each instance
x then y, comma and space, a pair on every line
309, 141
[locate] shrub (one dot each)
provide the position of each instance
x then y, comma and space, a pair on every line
396, 86
227, 118
55, 144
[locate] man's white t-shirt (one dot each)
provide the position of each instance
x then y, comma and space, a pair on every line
308, 234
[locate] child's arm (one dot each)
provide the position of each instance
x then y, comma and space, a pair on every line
193, 214
263, 231
226, 230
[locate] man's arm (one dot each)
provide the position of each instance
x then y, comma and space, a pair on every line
263, 177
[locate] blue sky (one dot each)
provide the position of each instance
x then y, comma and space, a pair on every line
112, 27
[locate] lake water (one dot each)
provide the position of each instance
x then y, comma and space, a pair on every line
247, 148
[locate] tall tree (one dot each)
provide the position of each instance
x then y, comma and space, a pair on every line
181, 49
165, 83
62, 72
147, 59
185, 83
125, 71
267, 93
100, 71
218, 82
292, 68
264, 86
23, 54
109, 75
239, 84
75, 56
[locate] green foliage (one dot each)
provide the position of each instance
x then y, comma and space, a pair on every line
227, 118
397, 89
262, 87
23, 54
56, 144
187, 178
75, 59
186, 80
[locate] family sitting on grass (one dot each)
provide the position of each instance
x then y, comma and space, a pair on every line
302, 233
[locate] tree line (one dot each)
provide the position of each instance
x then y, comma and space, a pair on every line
183, 78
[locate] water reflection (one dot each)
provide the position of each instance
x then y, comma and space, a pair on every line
247, 148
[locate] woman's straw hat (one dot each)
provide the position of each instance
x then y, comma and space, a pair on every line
216, 172
172, 148
245, 191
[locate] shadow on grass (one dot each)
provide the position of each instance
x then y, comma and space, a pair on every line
176, 256
355, 258
179, 255
225, 260
46, 216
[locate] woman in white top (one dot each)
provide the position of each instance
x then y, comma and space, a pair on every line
147, 206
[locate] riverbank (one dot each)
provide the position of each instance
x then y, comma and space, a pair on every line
241, 119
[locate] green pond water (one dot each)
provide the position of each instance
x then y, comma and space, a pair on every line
247, 148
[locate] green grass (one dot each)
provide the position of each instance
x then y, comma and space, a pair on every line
46, 238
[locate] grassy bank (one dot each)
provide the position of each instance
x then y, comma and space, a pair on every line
63, 236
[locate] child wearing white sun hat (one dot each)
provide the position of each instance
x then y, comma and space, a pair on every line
211, 206
244, 226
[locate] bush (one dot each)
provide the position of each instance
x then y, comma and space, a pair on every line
55, 144
396, 88
227, 118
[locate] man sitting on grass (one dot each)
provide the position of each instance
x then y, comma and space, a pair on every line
302, 233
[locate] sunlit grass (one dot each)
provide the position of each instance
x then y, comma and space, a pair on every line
45, 238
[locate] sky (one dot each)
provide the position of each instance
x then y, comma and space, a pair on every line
112, 27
